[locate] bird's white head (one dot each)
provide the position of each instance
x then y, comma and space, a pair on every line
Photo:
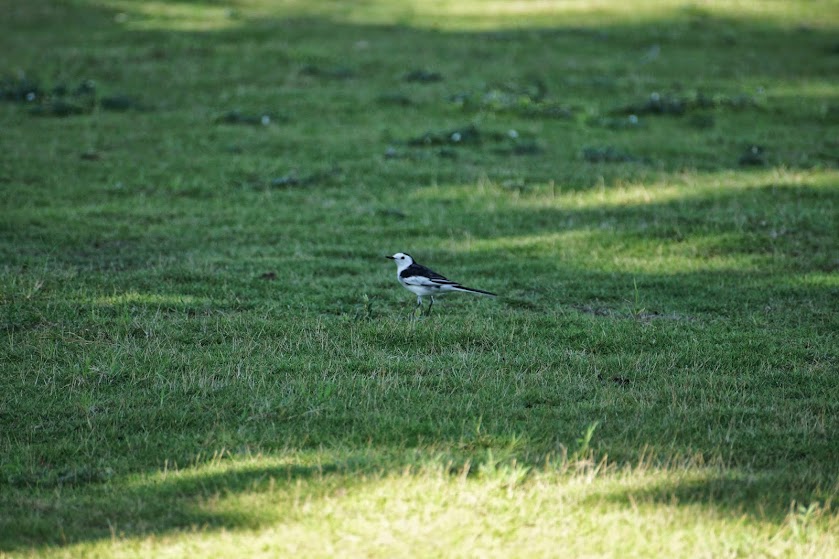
402, 260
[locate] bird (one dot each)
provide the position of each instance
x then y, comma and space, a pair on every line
420, 280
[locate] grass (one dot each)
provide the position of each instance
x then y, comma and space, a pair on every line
204, 352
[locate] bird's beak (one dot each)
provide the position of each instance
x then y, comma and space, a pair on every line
389, 257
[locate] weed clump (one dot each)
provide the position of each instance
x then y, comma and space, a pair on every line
62, 100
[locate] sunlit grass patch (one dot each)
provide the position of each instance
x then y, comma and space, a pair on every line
599, 250
152, 299
498, 14
821, 279
431, 509
470, 15
686, 185
171, 15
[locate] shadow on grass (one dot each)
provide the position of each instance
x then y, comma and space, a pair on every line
168, 502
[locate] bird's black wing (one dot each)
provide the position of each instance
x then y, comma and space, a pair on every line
418, 270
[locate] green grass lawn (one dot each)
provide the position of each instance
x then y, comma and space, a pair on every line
205, 353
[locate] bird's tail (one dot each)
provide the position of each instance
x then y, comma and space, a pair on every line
472, 290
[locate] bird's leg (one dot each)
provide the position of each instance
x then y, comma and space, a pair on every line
431, 304
418, 307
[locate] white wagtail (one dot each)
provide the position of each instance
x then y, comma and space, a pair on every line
423, 281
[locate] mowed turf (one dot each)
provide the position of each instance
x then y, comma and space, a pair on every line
205, 353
